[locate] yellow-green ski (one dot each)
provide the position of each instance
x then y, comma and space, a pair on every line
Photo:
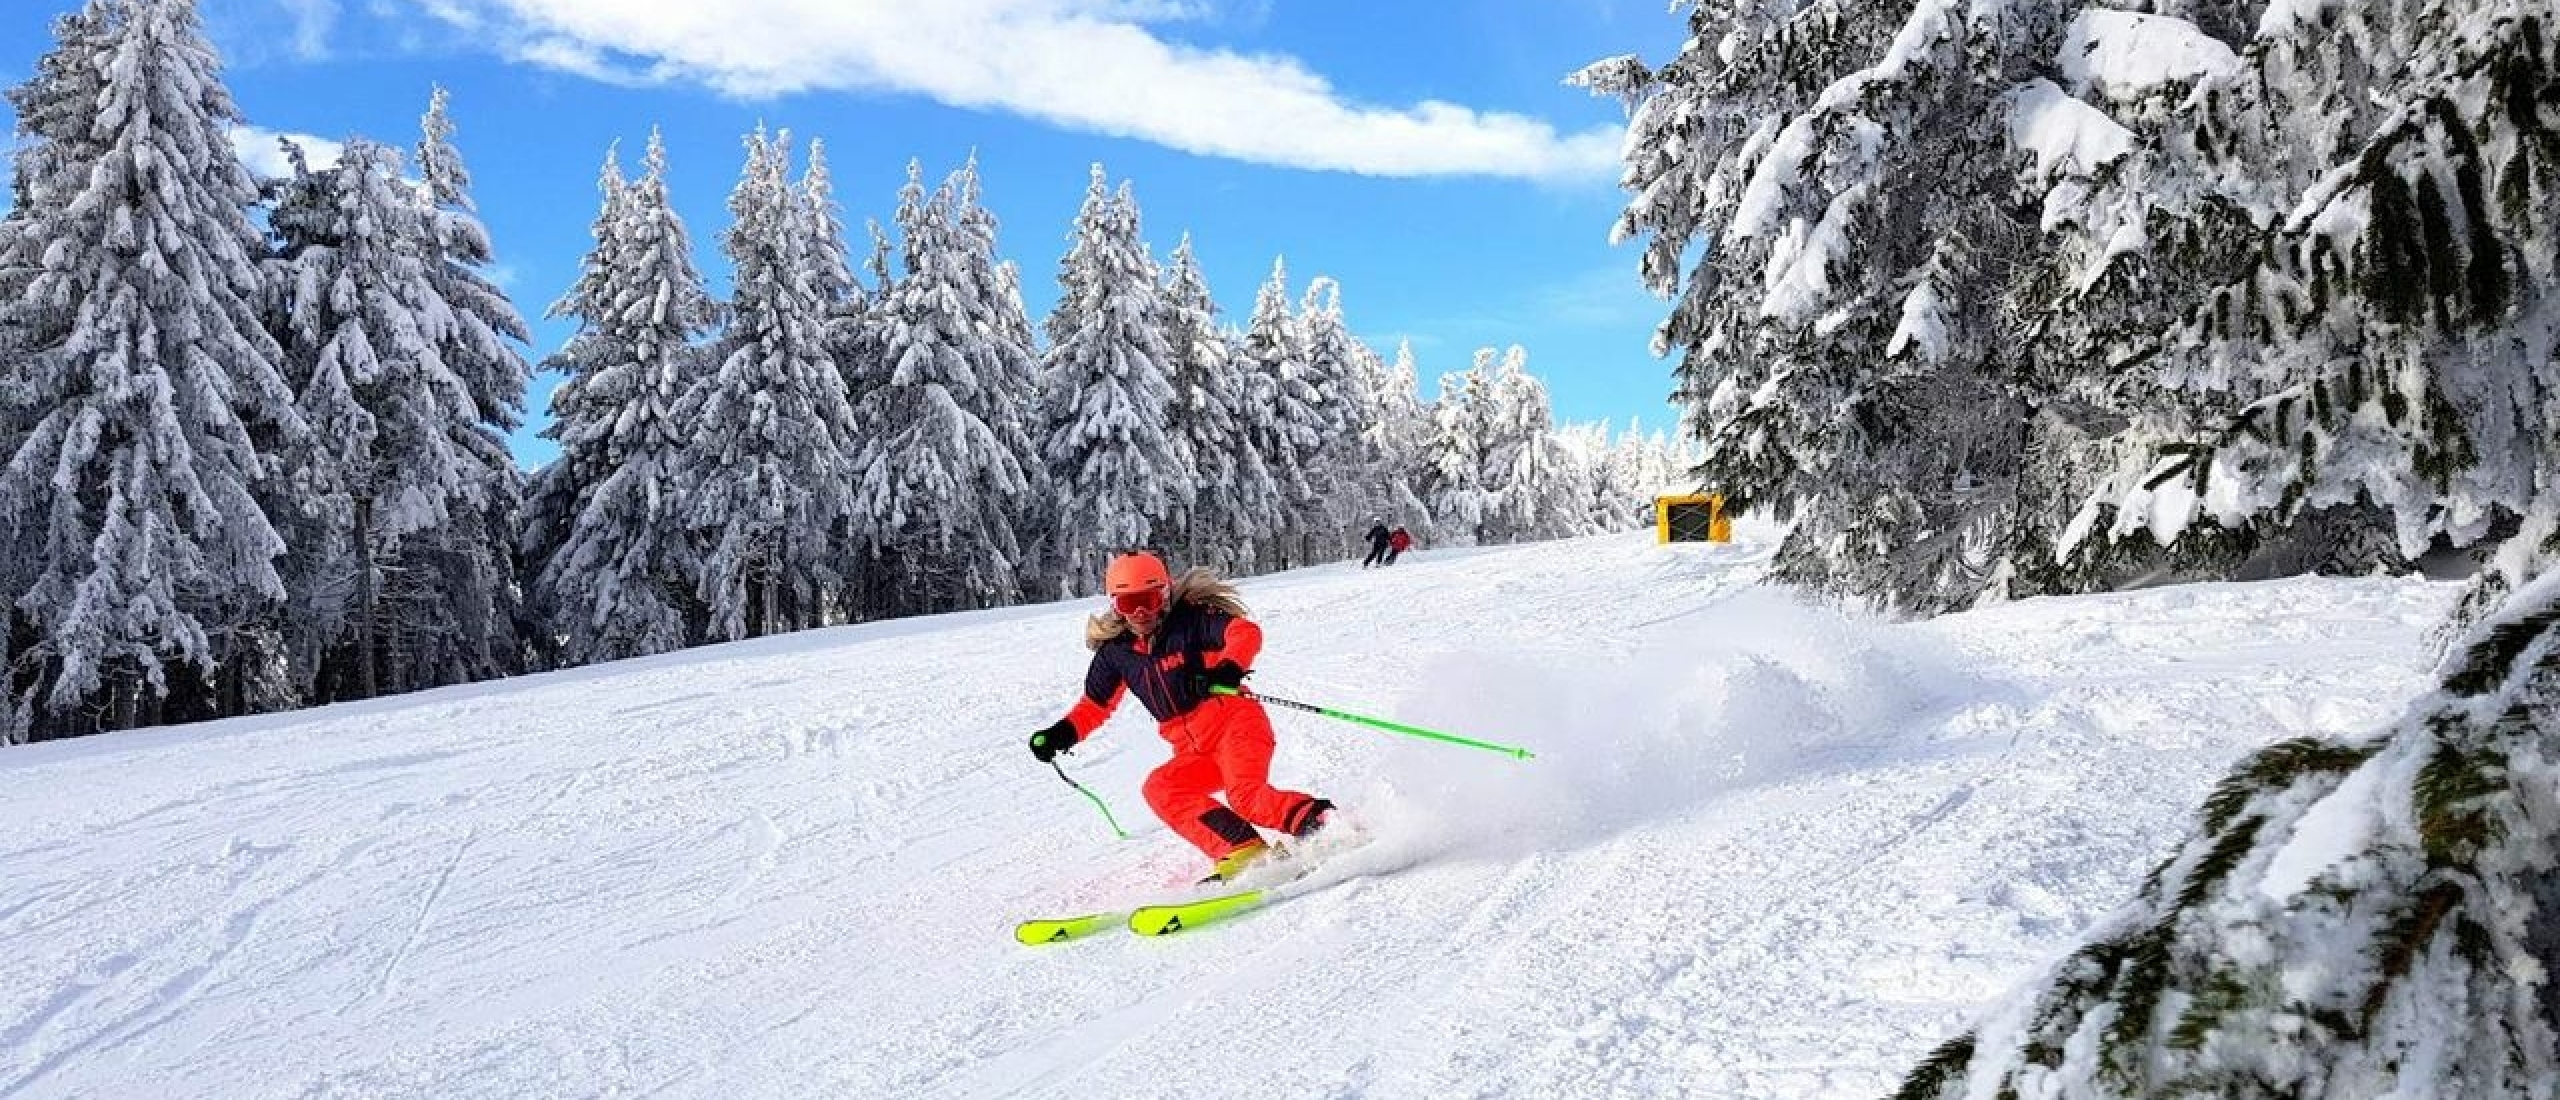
1165, 920
1038, 932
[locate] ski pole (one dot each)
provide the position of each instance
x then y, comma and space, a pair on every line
1383, 724
1094, 798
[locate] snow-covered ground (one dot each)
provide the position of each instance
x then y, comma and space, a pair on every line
1764, 851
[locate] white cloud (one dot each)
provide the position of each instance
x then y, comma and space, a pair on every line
572, 56
260, 151
1088, 64
312, 21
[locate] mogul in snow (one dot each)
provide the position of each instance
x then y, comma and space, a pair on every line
1185, 647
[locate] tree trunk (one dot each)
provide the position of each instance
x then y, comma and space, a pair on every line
2542, 938
368, 599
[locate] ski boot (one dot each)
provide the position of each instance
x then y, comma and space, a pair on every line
1234, 863
1318, 814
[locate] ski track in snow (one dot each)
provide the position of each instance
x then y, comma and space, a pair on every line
1766, 850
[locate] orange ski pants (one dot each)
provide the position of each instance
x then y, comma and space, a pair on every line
1224, 744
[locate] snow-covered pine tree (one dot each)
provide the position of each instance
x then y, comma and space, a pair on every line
149, 396
460, 609
2386, 359
1231, 496
1453, 472
2129, 243
553, 494
1045, 527
397, 473
615, 568
853, 333
1341, 468
1528, 477
939, 481
1015, 316
861, 345
851, 343
1628, 480
828, 266
1013, 385
2280, 306
2351, 919
1398, 435
1109, 445
767, 474
1283, 416
1856, 166
1076, 267
1594, 507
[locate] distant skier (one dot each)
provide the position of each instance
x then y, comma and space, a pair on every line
1398, 541
1378, 539
1171, 642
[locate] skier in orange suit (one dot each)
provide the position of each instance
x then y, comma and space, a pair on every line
1175, 643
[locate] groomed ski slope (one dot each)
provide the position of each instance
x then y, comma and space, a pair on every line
1765, 851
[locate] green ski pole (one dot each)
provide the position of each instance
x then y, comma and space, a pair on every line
1093, 798
1381, 723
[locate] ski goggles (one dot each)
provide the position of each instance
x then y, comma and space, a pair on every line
1142, 603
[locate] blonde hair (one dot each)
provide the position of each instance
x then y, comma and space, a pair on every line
1198, 586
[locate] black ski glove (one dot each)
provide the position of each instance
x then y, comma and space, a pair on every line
1224, 674
1048, 743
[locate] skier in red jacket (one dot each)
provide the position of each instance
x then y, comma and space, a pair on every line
1172, 642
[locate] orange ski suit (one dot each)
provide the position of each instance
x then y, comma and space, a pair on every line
1220, 742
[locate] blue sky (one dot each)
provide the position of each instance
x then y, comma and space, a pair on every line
1424, 154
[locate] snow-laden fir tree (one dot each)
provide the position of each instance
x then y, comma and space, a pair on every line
462, 609
1012, 407
552, 498
841, 296
857, 323
2352, 919
1231, 499
1338, 366
861, 346
2387, 350
766, 481
1643, 467
1855, 166
2207, 284
1398, 437
143, 382
827, 266
1284, 417
1075, 269
1534, 488
851, 340
1109, 446
1453, 469
615, 567
941, 468
1045, 526
1589, 498
397, 483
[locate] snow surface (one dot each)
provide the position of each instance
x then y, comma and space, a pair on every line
1765, 850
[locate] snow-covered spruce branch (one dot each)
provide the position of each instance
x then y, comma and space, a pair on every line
2350, 919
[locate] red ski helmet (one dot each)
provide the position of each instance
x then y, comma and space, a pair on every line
1137, 583
1135, 571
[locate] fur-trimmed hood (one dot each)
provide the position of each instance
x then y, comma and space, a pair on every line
1197, 586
